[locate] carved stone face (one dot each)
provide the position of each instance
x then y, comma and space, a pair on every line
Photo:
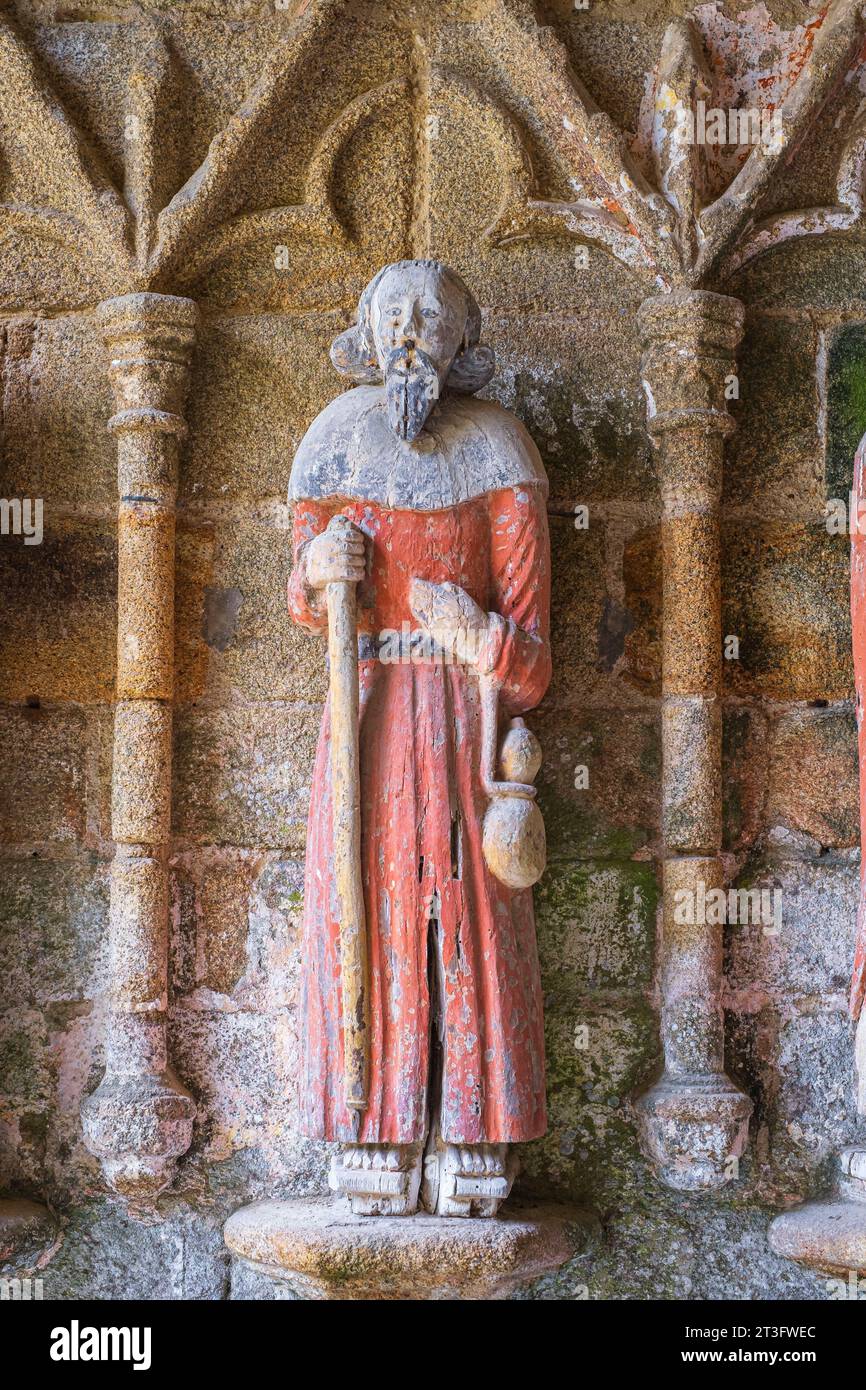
418, 318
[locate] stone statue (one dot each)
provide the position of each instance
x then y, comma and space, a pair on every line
421, 546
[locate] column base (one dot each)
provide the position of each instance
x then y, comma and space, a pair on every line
138, 1126
829, 1236
694, 1129
324, 1252
26, 1230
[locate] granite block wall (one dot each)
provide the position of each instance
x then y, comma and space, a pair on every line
425, 124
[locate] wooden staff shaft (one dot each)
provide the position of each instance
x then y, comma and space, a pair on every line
346, 802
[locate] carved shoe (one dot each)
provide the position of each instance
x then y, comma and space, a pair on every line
472, 1179
378, 1179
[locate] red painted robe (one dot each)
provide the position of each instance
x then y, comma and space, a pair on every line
427, 887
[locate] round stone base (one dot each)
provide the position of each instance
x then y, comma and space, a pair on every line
694, 1129
138, 1125
830, 1236
322, 1251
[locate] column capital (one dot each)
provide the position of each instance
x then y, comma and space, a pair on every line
150, 338
690, 338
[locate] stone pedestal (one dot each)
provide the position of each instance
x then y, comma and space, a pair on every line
830, 1236
322, 1251
694, 1129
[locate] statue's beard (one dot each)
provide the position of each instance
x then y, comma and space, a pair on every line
411, 390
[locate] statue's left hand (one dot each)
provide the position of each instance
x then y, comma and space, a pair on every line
452, 617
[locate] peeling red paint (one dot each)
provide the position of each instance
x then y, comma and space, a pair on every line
420, 745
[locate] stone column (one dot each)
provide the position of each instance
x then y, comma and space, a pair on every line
694, 1120
139, 1120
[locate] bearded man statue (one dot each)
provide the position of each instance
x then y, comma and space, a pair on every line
449, 549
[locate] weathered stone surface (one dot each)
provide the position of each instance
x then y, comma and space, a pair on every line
237, 918
39, 274
588, 425
241, 1066
690, 967
797, 1058
138, 1122
26, 1230
325, 1253
213, 906
691, 597
139, 1119
56, 402
793, 775
58, 641
828, 1236
242, 774
773, 463
598, 784
804, 946
813, 775
596, 924
53, 946
141, 775
194, 558
786, 598
691, 759
693, 1120
250, 1285
745, 758
598, 1051
106, 1256
139, 931
234, 635
845, 412
24, 1059
247, 415
374, 211
818, 273
601, 1049
44, 753
642, 600
588, 625
694, 1130
682, 1247
474, 140
49, 1145
145, 588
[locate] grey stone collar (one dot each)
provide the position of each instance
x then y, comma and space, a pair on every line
468, 449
